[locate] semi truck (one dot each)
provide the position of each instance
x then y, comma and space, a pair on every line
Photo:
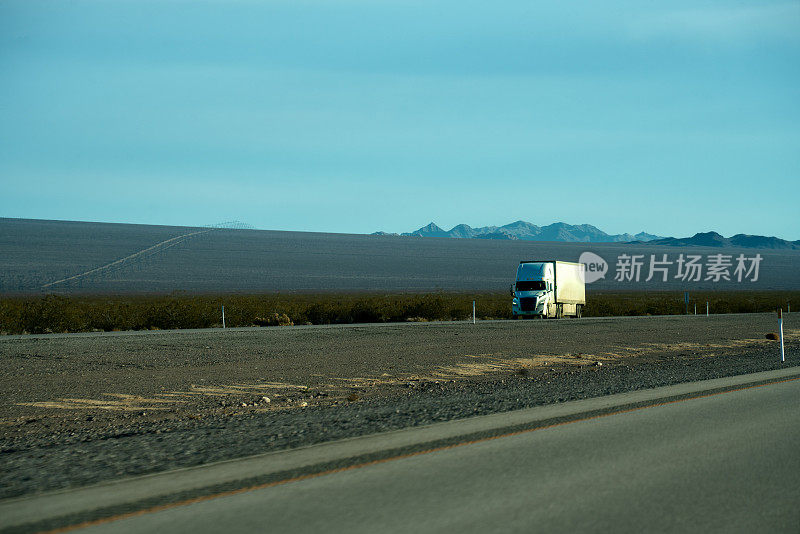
548, 289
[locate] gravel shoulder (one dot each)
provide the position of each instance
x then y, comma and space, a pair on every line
79, 409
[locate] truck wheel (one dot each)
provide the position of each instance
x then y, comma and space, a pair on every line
515, 316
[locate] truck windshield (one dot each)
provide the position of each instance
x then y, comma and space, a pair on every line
530, 285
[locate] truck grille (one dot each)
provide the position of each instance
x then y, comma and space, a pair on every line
527, 303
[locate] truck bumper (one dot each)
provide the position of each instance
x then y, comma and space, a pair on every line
517, 312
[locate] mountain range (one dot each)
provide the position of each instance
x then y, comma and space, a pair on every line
526, 231
713, 239
586, 233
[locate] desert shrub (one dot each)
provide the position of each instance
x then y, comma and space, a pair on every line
53, 313
273, 319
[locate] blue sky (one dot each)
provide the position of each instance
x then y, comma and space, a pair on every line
356, 116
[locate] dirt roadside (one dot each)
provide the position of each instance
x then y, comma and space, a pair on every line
78, 409
70, 382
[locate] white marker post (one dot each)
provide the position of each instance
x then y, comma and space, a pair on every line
695, 308
706, 309
473, 312
780, 328
223, 317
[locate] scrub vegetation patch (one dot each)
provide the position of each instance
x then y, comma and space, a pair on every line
59, 314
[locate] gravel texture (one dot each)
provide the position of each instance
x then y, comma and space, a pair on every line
523, 364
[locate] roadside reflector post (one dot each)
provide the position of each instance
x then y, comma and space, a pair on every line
223, 317
695, 308
706, 308
780, 329
473, 312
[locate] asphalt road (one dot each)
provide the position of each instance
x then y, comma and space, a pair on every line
721, 462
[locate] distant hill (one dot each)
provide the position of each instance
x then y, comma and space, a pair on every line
713, 239
62, 257
525, 231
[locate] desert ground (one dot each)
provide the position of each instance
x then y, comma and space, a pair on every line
81, 408
162, 259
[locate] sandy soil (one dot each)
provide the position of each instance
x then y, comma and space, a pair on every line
64, 382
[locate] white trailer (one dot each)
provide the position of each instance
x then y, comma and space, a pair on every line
548, 289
